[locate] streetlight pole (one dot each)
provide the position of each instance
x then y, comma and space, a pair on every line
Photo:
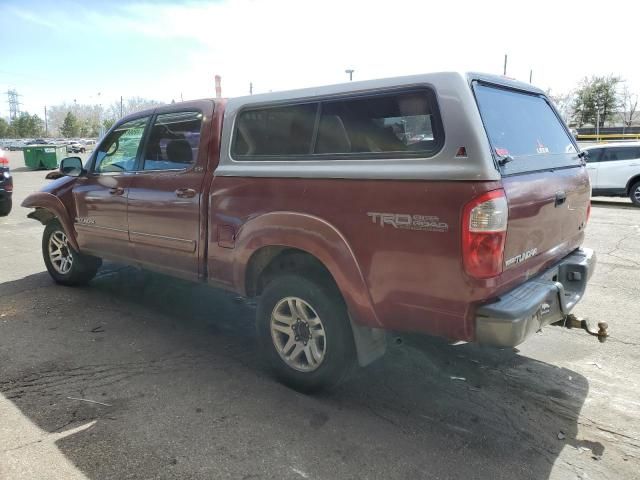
597, 123
350, 71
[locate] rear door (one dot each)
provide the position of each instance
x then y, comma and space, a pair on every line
165, 195
545, 182
617, 165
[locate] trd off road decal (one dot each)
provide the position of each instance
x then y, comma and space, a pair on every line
405, 221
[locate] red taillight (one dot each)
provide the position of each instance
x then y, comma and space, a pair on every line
4, 162
484, 230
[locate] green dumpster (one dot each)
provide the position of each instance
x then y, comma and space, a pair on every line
44, 156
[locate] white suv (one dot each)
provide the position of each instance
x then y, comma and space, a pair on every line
614, 170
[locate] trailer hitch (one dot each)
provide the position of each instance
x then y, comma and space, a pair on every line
571, 321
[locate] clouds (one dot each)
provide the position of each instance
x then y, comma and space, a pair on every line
167, 48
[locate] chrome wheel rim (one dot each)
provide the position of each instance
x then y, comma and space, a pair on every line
60, 253
298, 334
636, 194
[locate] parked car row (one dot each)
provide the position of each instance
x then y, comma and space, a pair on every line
76, 145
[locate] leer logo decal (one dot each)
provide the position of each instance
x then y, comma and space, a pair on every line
405, 221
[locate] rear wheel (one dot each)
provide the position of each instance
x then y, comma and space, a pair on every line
634, 194
65, 265
304, 330
5, 207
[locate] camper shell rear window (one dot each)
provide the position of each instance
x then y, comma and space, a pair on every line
524, 130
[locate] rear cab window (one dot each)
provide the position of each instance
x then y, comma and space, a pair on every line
385, 125
524, 127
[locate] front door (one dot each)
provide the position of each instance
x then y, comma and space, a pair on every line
165, 194
101, 196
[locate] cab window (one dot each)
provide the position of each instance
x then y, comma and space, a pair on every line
173, 141
119, 151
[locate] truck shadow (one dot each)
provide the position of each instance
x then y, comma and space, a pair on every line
185, 394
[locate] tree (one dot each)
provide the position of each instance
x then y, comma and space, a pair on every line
70, 127
596, 94
4, 128
26, 126
107, 123
629, 104
563, 103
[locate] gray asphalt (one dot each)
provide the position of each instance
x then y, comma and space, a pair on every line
183, 394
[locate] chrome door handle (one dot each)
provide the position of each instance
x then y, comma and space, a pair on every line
116, 191
185, 193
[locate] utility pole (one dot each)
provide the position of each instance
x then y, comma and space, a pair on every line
46, 128
120, 106
349, 72
504, 70
530, 75
250, 88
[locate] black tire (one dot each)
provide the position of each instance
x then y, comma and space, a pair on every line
5, 207
634, 194
327, 305
82, 268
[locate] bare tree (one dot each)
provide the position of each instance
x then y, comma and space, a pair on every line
629, 103
564, 103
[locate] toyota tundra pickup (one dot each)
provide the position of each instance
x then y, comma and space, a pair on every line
448, 204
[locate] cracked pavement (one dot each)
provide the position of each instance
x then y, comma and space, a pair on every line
143, 376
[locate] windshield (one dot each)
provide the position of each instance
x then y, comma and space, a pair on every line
524, 127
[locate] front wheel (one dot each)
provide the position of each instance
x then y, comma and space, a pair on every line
304, 330
634, 194
65, 265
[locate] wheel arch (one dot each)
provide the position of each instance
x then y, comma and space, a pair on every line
632, 181
47, 207
264, 239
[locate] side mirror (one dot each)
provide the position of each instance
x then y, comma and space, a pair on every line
71, 167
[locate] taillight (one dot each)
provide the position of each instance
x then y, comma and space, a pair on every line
484, 229
4, 162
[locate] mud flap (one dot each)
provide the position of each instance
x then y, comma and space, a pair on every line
370, 343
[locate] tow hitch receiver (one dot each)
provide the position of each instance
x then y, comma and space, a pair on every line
571, 321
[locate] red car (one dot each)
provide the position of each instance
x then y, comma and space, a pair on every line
447, 204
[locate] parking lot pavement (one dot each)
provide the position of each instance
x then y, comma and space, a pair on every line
143, 376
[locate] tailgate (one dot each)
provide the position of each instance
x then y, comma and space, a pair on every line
544, 179
547, 216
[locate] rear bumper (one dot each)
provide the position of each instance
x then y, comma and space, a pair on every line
545, 299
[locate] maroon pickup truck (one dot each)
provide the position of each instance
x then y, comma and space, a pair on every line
448, 204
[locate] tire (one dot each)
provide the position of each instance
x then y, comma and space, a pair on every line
5, 207
634, 194
68, 267
312, 315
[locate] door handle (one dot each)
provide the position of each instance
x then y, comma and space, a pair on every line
185, 193
560, 198
116, 191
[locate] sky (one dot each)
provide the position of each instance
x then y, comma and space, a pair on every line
94, 52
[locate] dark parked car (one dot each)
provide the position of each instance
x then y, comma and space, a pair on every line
6, 185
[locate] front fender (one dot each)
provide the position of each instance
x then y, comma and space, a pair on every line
52, 204
316, 237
